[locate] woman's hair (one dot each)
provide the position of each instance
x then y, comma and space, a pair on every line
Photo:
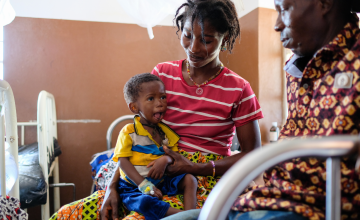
133, 86
221, 14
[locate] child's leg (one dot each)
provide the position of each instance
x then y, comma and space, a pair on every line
189, 185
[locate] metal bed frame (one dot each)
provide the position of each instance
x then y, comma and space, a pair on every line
235, 144
46, 132
234, 182
112, 127
9, 118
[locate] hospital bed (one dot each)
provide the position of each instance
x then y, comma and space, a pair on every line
33, 172
233, 182
8, 126
46, 135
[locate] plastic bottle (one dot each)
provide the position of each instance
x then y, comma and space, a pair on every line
274, 132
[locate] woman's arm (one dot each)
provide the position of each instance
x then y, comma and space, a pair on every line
250, 139
111, 199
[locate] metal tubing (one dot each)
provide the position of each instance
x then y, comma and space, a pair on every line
2, 159
10, 128
333, 189
63, 185
237, 178
112, 127
22, 135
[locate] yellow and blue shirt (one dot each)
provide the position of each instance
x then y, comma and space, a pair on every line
136, 143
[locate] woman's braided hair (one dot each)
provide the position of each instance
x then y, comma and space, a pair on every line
221, 14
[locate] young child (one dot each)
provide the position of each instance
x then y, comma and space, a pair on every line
142, 160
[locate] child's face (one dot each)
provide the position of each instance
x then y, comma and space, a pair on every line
151, 104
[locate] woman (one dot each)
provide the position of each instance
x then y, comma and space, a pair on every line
206, 101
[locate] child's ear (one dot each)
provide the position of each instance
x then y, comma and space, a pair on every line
133, 108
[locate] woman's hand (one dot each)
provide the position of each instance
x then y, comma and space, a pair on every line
109, 208
180, 165
158, 167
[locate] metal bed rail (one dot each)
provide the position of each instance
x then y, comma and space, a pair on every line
237, 178
112, 127
8, 118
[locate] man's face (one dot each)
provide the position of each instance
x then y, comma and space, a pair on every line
300, 24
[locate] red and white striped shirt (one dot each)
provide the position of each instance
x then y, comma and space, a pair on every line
206, 122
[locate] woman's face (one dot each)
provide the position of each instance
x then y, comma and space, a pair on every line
200, 51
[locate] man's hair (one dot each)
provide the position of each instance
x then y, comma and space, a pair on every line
221, 14
133, 86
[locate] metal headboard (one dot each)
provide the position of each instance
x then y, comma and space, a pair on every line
112, 127
7, 102
233, 183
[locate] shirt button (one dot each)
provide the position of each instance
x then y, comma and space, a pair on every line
306, 86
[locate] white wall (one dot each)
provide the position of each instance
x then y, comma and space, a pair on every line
96, 10
250, 5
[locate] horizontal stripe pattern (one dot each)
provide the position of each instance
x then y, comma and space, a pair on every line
248, 115
168, 76
205, 120
148, 149
198, 98
197, 113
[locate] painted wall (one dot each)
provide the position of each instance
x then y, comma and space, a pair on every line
85, 66
258, 59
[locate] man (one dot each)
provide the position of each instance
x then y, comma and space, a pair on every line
324, 99
323, 81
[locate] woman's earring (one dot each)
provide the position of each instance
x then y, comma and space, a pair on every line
223, 47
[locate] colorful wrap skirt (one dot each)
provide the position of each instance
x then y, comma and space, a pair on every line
89, 208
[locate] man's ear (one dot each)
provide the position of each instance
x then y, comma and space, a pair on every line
326, 5
133, 108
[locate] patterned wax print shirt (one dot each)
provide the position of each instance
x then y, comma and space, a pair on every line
136, 143
317, 107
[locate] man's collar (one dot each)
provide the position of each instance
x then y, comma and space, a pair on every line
340, 45
296, 65
170, 134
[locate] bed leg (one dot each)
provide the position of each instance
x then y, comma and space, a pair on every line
45, 209
56, 189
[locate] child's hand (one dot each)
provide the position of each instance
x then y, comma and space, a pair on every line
158, 167
157, 193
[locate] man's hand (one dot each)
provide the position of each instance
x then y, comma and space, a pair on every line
158, 167
109, 208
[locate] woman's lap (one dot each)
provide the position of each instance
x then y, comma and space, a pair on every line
89, 208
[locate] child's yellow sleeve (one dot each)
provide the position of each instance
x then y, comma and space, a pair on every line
174, 148
123, 146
